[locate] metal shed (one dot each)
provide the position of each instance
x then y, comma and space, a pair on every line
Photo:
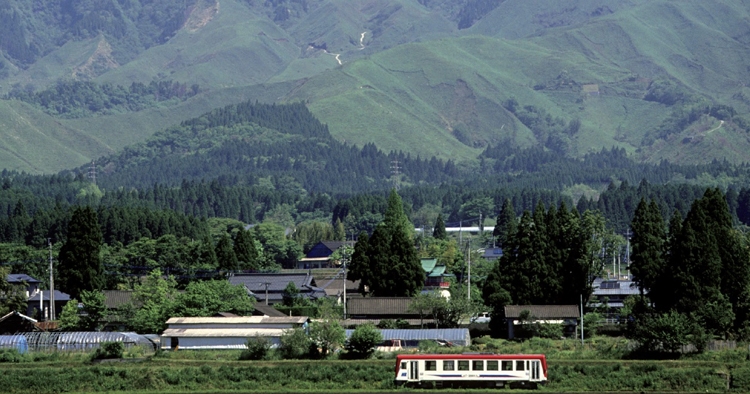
457, 336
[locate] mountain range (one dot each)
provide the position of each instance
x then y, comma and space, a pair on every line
661, 79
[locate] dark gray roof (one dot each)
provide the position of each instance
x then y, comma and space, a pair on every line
373, 306
59, 296
268, 310
114, 299
18, 278
543, 311
256, 285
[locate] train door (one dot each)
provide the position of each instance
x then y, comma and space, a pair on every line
414, 370
535, 369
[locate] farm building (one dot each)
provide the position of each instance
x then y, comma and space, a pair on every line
411, 337
225, 332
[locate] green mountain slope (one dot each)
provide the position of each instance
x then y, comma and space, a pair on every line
427, 77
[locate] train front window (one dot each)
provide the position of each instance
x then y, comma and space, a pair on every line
463, 365
448, 365
492, 365
403, 364
520, 365
477, 365
507, 365
430, 365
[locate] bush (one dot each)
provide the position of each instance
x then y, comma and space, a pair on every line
109, 350
295, 344
12, 356
363, 341
257, 349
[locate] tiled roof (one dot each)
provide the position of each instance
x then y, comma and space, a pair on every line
372, 306
114, 299
276, 282
18, 278
543, 311
59, 296
239, 320
268, 310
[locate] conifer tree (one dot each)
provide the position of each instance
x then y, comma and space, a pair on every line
80, 267
647, 258
506, 223
244, 249
339, 233
225, 254
439, 231
394, 269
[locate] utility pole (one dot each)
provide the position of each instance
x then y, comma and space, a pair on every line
51, 284
468, 253
581, 320
344, 260
266, 284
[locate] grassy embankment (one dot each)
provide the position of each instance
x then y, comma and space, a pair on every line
604, 365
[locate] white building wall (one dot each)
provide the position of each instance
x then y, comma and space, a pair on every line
207, 343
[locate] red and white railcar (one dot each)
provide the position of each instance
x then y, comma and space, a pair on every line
471, 370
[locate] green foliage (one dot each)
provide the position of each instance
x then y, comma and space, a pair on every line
388, 262
80, 267
438, 231
153, 303
258, 348
69, 319
108, 350
592, 322
12, 296
13, 356
295, 344
76, 99
326, 332
363, 340
207, 298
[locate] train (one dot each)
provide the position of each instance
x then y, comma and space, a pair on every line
471, 370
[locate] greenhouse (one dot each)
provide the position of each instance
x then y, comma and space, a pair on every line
17, 342
72, 341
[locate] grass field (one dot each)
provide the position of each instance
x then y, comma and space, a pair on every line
603, 365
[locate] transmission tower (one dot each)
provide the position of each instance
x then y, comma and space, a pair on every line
395, 172
92, 172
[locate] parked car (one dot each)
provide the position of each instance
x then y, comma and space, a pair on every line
483, 317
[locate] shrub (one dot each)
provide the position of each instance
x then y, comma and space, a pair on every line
295, 344
109, 350
12, 356
363, 341
257, 349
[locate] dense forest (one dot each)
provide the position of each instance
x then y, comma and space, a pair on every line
76, 99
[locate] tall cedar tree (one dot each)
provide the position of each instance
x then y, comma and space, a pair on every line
225, 254
710, 266
80, 267
244, 249
394, 267
439, 231
648, 264
507, 223
360, 266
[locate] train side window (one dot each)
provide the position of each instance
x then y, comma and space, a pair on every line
448, 365
507, 365
430, 365
403, 364
477, 365
492, 365
519, 365
463, 365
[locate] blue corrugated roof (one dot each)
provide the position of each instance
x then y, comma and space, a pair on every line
18, 278
458, 336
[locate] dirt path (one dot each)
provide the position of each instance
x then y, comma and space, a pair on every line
721, 123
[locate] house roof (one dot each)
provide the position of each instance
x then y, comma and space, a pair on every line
239, 320
20, 315
373, 306
222, 332
428, 264
543, 311
276, 282
326, 248
59, 296
268, 310
19, 278
114, 299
